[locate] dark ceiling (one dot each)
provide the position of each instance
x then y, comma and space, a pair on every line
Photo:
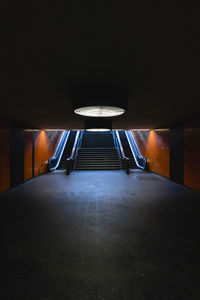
150, 48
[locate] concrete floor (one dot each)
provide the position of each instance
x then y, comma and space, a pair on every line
100, 235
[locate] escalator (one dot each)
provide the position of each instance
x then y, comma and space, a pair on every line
127, 150
67, 151
80, 150
63, 151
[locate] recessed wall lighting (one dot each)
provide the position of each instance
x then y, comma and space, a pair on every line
99, 111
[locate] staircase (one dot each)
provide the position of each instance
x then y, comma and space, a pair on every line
127, 149
67, 151
97, 152
97, 159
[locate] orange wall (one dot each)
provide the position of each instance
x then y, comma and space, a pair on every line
154, 145
157, 152
44, 147
192, 157
43, 151
4, 159
28, 159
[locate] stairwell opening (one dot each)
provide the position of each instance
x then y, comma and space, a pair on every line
85, 150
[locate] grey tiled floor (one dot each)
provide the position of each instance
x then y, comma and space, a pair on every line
100, 235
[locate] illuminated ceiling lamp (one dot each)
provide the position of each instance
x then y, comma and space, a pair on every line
100, 101
98, 124
99, 111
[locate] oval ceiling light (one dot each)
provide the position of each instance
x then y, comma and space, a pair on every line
99, 111
99, 100
98, 129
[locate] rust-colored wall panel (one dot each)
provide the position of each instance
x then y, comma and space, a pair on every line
35, 154
4, 159
192, 157
157, 152
43, 151
154, 145
28, 156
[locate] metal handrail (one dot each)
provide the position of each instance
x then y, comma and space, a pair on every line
119, 147
74, 146
72, 159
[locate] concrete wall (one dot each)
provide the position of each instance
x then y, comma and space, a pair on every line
16, 156
4, 159
192, 157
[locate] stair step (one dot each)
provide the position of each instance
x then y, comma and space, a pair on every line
96, 164
99, 168
97, 154
97, 159
94, 151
